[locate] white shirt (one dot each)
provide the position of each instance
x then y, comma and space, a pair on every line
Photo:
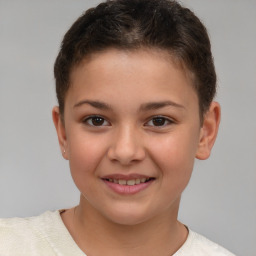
46, 235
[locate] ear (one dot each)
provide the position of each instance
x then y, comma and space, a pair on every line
209, 131
61, 132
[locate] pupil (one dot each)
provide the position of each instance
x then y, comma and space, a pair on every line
97, 121
158, 121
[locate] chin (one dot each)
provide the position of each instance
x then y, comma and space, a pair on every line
127, 217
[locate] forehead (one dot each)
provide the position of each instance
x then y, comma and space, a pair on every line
143, 58
150, 73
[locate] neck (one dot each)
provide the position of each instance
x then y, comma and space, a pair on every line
97, 235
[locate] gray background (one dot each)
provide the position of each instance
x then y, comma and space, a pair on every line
220, 200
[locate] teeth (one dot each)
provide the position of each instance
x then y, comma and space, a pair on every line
122, 182
137, 181
129, 182
143, 180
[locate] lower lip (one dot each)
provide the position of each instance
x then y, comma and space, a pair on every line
126, 189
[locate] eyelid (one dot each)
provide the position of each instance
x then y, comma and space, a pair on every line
86, 119
168, 119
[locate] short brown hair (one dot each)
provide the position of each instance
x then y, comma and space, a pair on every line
134, 24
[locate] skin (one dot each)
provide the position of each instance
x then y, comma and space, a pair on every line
129, 141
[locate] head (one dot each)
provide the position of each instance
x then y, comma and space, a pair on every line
137, 24
135, 82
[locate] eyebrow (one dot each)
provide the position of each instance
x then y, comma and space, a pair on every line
144, 107
95, 104
158, 105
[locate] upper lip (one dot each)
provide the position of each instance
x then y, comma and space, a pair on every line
126, 177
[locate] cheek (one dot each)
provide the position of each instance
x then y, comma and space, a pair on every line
85, 154
175, 155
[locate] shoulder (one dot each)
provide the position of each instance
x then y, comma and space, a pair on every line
198, 245
19, 236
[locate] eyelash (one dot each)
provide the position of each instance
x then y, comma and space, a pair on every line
89, 121
167, 121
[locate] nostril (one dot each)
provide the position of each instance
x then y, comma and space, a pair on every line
126, 154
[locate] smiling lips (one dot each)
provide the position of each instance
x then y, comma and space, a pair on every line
127, 185
130, 182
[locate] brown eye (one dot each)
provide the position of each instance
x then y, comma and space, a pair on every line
159, 121
96, 121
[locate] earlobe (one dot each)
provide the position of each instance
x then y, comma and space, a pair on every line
209, 131
60, 129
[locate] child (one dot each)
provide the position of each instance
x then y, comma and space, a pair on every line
135, 82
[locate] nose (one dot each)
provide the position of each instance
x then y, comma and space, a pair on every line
126, 147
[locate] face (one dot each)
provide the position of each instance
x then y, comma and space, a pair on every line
131, 134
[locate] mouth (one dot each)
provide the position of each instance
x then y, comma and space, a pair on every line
129, 182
